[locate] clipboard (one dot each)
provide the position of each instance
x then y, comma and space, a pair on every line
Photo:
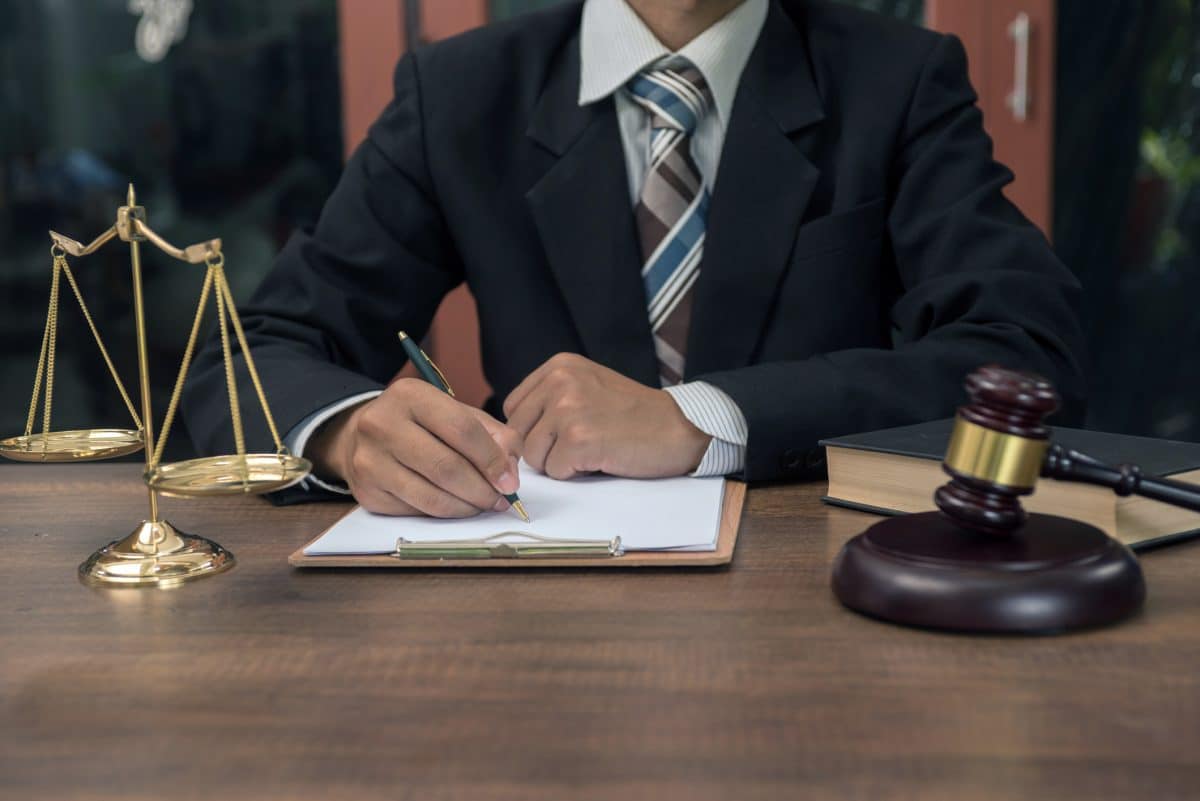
731, 516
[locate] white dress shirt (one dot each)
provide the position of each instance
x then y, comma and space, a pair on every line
614, 46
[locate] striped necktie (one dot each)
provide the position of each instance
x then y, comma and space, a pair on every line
673, 208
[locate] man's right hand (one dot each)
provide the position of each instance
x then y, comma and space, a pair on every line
416, 451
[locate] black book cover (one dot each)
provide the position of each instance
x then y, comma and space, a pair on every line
1156, 457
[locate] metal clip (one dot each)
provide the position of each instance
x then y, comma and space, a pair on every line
535, 546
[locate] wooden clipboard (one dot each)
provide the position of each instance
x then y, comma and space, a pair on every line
731, 517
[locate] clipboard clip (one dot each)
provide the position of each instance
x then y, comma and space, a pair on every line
531, 546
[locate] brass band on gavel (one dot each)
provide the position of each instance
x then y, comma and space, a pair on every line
995, 457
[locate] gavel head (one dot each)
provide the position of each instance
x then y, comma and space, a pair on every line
997, 449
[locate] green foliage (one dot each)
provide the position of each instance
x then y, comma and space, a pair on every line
1170, 144
1173, 158
1171, 64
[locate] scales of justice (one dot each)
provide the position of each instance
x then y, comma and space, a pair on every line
155, 554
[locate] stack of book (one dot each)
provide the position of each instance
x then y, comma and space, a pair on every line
896, 472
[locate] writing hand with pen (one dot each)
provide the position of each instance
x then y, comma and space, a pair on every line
415, 450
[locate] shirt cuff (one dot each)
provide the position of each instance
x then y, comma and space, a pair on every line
715, 413
297, 438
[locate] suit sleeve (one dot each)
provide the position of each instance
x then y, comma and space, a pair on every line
322, 326
979, 284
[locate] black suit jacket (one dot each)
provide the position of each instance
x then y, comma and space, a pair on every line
860, 258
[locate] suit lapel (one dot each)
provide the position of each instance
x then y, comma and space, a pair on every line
582, 211
763, 188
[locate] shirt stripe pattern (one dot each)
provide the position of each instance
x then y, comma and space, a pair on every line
672, 212
715, 413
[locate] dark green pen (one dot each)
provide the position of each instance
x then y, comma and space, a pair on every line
430, 372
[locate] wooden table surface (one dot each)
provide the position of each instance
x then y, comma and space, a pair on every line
748, 682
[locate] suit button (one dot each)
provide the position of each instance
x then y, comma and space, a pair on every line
792, 459
816, 458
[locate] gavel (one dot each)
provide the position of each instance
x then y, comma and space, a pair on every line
1000, 446
981, 563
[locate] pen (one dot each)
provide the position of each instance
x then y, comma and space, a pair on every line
430, 372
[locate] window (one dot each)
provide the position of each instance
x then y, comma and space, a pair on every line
1127, 209
234, 133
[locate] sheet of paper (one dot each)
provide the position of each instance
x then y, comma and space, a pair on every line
668, 513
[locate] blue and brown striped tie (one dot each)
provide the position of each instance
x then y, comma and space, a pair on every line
672, 211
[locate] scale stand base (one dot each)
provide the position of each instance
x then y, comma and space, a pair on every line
156, 554
1050, 575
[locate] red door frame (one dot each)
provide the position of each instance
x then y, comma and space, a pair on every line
1026, 146
372, 41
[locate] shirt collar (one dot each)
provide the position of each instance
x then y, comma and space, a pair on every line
616, 45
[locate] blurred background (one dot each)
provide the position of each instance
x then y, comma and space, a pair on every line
233, 117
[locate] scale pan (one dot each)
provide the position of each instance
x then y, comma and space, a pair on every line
83, 445
252, 474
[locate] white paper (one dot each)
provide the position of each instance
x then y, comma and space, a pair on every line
648, 515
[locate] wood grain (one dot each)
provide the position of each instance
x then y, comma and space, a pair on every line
745, 682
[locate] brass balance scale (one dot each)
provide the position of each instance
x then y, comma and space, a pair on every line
156, 554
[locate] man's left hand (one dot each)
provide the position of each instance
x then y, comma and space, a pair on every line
579, 417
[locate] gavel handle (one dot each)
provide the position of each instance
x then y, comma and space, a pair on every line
1125, 479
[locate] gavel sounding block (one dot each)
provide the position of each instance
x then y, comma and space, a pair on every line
1052, 574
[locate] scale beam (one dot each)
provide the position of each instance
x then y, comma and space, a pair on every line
192, 254
77, 249
132, 228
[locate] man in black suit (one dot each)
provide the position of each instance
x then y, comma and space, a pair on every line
702, 236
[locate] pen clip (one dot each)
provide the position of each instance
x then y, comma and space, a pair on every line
408, 341
438, 370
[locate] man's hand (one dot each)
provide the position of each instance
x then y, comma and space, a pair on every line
578, 417
416, 451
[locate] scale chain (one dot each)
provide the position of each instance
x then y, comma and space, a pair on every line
230, 381
226, 315
41, 365
66, 270
46, 359
188, 352
223, 288
52, 346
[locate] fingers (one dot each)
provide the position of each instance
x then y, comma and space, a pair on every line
557, 390
538, 444
563, 447
418, 451
505, 436
385, 486
559, 463
508, 439
549, 409
536, 416
381, 502
399, 490
574, 451
517, 395
447, 470
560, 363
460, 430
525, 417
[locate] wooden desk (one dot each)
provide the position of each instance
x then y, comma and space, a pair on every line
742, 683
